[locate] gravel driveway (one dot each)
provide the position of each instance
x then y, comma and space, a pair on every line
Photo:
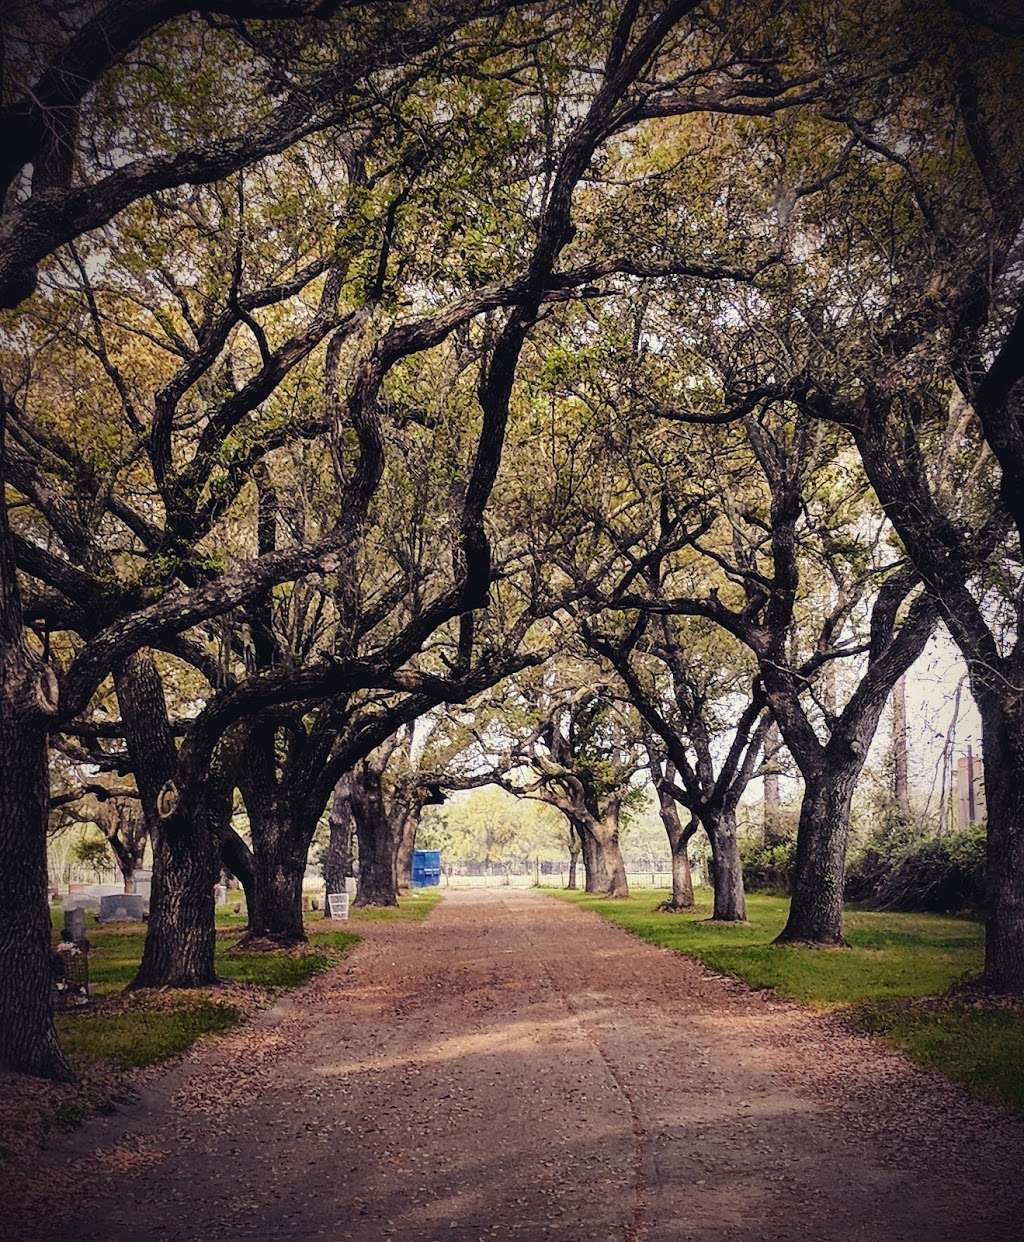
517, 1068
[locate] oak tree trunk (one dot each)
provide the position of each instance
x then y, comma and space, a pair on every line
279, 845
573, 858
595, 868
337, 864
816, 908
678, 841
279, 876
406, 846
378, 842
28, 701
606, 874
378, 859
682, 880
730, 905
1003, 760
180, 940
28, 1041
618, 886
180, 936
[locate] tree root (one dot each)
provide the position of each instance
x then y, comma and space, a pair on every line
798, 943
270, 944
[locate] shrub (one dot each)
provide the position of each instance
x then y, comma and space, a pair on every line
768, 868
936, 874
868, 868
941, 875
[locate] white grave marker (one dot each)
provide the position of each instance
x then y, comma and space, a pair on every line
337, 905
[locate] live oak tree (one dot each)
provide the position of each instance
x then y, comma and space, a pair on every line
209, 332
767, 535
905, 329
872, 616
708, 715
390, 790
580, 750
663, 774
88, 137
119, 818
945, 374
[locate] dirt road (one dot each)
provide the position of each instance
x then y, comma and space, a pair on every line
516, 1068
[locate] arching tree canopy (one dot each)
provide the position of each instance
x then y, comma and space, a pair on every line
400, 397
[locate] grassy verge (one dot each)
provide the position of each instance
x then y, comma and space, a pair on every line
127, 1031
415, 906
891, 982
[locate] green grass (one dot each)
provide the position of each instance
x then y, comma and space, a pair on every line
143, 1036
412, 908
894, 961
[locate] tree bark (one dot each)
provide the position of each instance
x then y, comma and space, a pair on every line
406, 846
180, 941
609, 868
277, 843
730, 904
180, 937
28, 1041
816, 908
277, 852
618, 885
595, 869
279, 876
1003, 765
338, 856
574, 855
682, 880
28, 702
678, 841
378, 842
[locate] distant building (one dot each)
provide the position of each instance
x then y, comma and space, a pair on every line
970, 790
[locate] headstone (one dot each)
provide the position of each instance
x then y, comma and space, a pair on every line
337, 905
142, 878
220, 894
74, 923
81, 901
350, 885
123, 907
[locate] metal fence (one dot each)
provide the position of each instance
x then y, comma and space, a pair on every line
63, 875
553, 879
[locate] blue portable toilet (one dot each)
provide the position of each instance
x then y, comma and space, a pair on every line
426, 868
